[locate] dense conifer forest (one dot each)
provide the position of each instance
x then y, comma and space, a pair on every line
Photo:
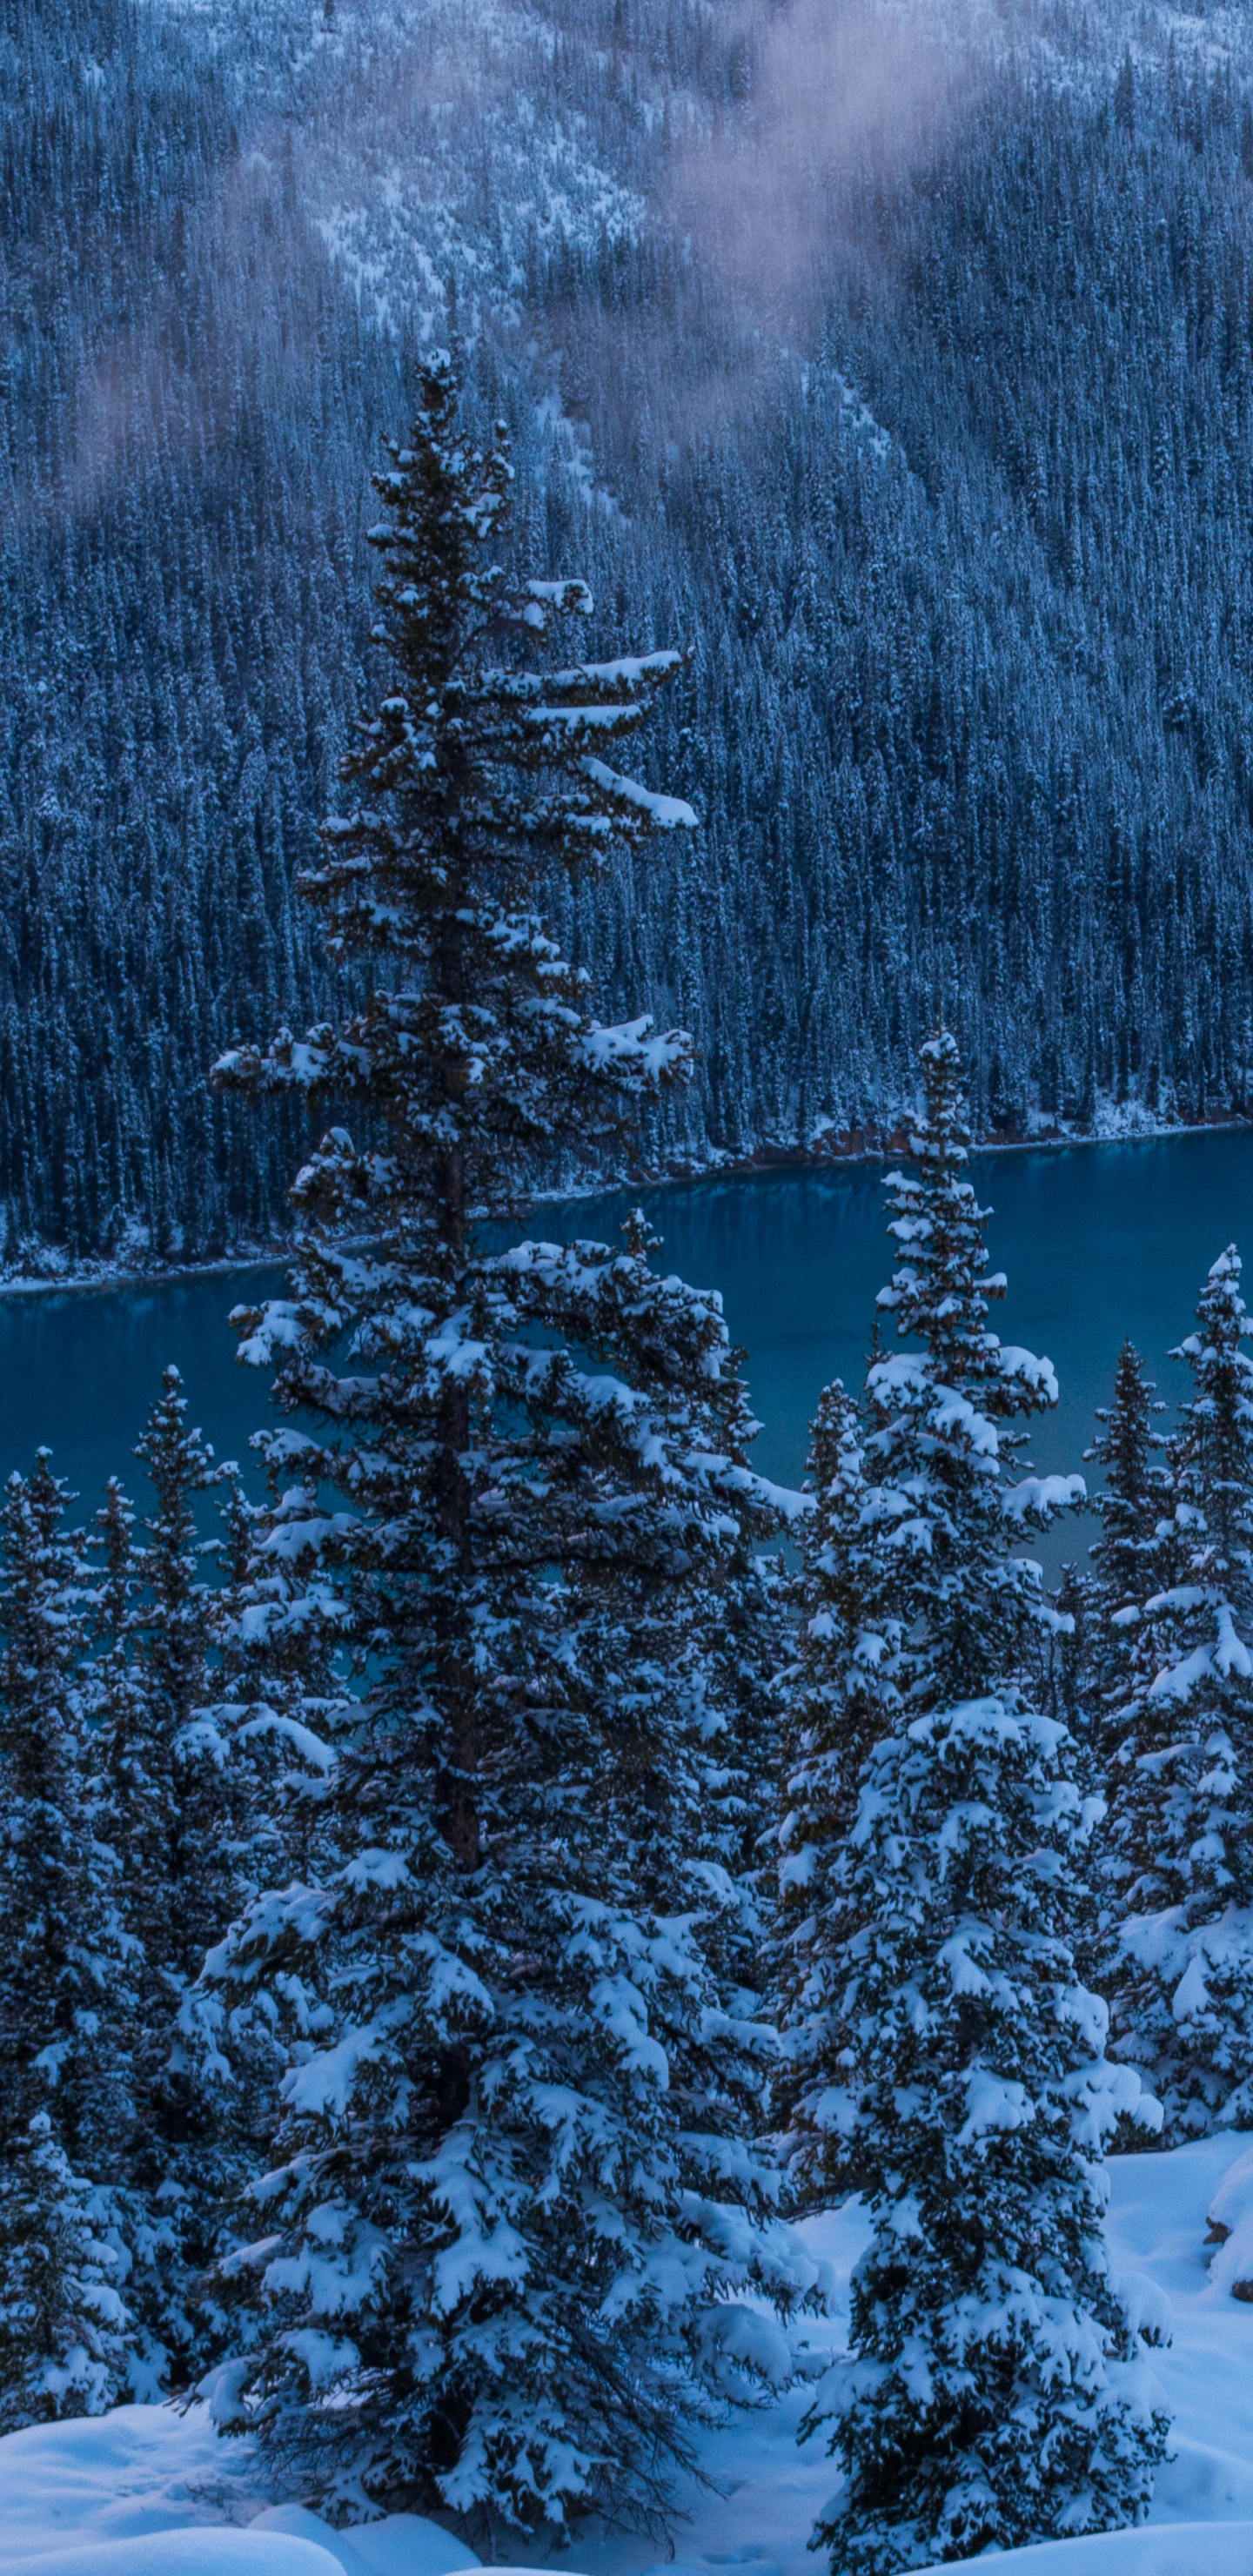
450, 1951
950, 503
473, 1914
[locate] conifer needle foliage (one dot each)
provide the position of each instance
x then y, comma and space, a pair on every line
1177, 1679
943, 2053
514, 2205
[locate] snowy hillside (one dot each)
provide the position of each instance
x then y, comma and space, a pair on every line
148, 2492
425, 144
902, 372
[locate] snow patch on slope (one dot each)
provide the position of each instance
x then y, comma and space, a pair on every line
1185, 2551
184, 2553
149, 2492
411, 136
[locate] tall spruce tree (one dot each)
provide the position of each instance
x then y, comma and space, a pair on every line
514, 2197
942, 2052
1178, 1950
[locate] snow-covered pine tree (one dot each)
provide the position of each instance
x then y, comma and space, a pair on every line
66, 1990
1133, 1501
268, 1726
65, 2333
65, 1961
841, 1697
279, 1695
737, 1656
1179, 1948
116, 1703
1135, 1492
196, 1807
152, 1679
1100, 1660
514, 2198
941, 2049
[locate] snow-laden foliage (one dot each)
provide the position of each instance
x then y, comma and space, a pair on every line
941, 2051
68, 1976
176, 1819
515, 2214
1178, 1953
843, 1696
155, 1608
1095, 1664
193, 1807
67, 1965
1133, 1498
66, 2340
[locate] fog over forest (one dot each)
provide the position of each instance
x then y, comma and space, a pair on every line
897, 363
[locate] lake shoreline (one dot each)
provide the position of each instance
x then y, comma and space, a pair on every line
859, 1147
1095, 1247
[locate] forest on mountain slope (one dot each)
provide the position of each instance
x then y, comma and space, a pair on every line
953, 515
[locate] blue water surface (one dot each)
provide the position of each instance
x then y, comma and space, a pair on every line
1097, 1241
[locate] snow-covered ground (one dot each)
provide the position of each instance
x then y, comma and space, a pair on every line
148, 2492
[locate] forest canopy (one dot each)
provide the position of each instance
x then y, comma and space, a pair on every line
951, 513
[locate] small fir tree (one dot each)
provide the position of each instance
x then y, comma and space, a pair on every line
1134, 1506
183, 1900
740, 1654
941, 2049
513, 2201
279, 1690
150, 1682
1179, 1948
66, 1992
1136, 1491
1066, 1665
65, 2332
118, 1705
842, 1697
197, 1787
66, 1964
269, 1733
1133, 1503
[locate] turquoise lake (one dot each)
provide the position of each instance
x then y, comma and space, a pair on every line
1097, 1241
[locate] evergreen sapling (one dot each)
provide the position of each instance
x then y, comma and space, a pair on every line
67, 1977
65, 2331
1133, 1504
1179, 1945
66, 1965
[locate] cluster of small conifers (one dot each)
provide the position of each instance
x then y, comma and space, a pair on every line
410, 2033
